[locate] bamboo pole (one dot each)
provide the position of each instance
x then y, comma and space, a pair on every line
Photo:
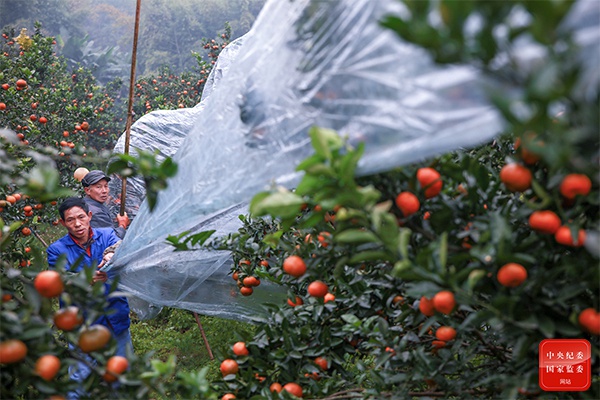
130, 103
128, 134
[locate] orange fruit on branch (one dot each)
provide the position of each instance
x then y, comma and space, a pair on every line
408, 203
321, 362
251, 281
511, 275
589, 319
297, 302
444, 302
575, 184
527, 155
426, 307
445, 333
516, 177
94, 338
80, 173
246, 291
294, 266
115, 366
229, 367
317, 289
48, 284
67, 318
293, 388
430, 180
276, 387
240, 349
12, 351
544, 221
47, 366
564, 236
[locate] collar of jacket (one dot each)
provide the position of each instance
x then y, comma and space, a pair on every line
85, 245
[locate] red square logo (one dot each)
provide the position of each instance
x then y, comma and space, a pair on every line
565, 365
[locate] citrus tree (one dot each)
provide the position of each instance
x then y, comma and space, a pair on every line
66, 118
441, 278
437, 279
54, 120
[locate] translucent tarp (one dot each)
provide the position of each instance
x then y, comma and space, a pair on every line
305, 63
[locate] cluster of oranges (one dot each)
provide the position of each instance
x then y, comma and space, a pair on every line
248, 282
49, 284
431, 183
443, 302
518, 178
230, 366
296, 267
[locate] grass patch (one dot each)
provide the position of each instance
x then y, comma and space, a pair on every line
175, 332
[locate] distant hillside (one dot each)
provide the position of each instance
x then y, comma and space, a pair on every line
91, 30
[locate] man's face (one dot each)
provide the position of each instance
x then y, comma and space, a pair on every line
98, 191
77, 223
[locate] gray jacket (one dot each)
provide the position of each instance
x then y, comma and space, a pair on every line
101, 217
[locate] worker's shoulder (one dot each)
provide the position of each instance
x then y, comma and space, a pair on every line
104, 232
62, 242
92, 203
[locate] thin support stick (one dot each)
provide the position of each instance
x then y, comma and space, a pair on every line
210, 354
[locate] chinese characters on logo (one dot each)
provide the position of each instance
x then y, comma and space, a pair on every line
565, 365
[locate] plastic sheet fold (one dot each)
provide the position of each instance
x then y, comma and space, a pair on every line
304, 63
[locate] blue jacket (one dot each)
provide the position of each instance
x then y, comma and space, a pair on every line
118, 318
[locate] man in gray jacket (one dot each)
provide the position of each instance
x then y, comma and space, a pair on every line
95, 185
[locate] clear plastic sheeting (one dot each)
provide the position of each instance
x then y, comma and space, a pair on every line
163, 131
305, 63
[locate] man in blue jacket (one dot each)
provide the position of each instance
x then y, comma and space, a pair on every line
83, 241
95, 185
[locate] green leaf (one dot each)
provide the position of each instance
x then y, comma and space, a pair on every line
201, 237
356, 236
351, 319
369, 255
324, 141
174, 240
320, 170
279, 204
474, 277
546, 326
403, 242
348, 165
309, 162
309, 184
401, 268
443, 249
272, 239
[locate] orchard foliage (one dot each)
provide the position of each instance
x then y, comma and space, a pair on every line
30, 317
451, 297
52, 121
448, 298
65, 118
479, 336
166, 89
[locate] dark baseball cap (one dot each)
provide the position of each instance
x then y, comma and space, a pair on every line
93, 177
